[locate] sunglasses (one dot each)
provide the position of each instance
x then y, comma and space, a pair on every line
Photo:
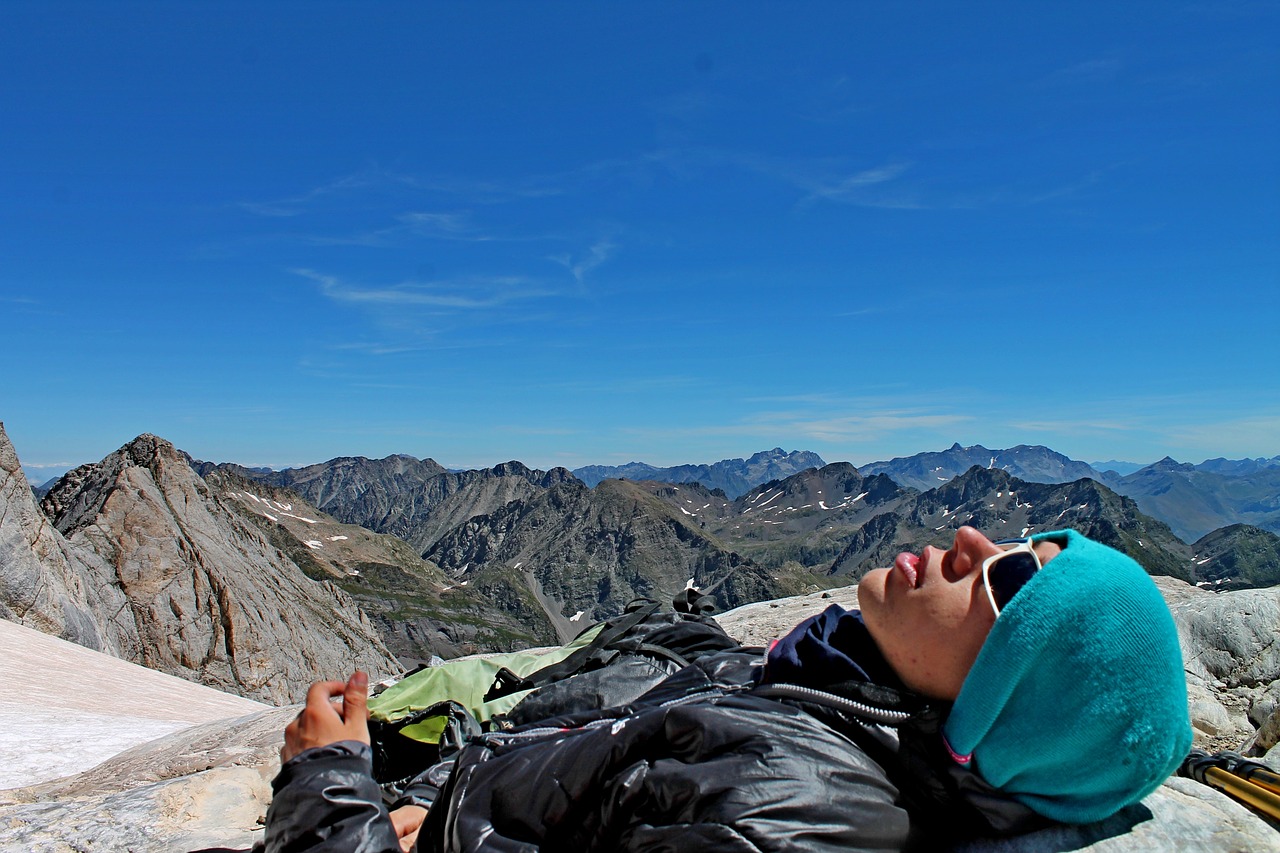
1005, 573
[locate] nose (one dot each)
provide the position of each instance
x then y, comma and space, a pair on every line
968, 551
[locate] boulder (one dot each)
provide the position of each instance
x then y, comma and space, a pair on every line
1232, 660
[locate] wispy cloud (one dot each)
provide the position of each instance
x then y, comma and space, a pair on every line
377, 181
631, 385
412, 225
853, 188
436, 223
1077, 427
1188, 426
470, 294
377, 348
582, 264
839, 428
300, 203
819, 179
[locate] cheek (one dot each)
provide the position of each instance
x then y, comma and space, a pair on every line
935, 647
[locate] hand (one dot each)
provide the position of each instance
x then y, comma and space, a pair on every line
323, 721
408, 820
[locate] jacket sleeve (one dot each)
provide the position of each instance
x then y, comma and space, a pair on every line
327, 802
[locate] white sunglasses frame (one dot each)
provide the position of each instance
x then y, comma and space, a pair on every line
1010, 546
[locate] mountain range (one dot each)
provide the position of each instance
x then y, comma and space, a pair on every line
1033, 463
258, 581
1192, 499
731, 476
1197, 499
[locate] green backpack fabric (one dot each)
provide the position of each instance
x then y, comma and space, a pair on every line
465, 682
609, 663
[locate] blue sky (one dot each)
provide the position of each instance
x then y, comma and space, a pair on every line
574, 233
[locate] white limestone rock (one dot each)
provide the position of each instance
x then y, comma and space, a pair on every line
760, 623
1232, 656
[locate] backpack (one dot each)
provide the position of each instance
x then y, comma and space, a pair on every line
610, 663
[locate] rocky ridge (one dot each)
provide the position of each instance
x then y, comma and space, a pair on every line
417, 610
731, 476
1002, 507
1033, 463
570, 555
1192, 500
1195, 500
50, 584
804, 520
137, 555
415, 500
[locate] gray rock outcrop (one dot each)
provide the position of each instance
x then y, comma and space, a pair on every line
1231, 646
49, 584
144, 561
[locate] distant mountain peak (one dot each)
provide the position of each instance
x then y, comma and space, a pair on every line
1168, 463
1034, 463
734, 477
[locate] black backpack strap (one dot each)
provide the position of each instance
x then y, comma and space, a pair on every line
506, 682
593, 654
693, 602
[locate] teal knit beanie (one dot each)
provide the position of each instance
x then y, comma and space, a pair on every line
1077, 703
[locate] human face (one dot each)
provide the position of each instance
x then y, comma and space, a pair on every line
929, 614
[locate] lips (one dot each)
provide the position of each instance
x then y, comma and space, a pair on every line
908, 565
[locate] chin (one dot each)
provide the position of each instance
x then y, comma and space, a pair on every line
872, 588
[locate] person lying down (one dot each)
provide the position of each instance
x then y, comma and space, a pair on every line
986, 689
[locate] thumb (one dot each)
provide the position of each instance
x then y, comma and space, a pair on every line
355, 698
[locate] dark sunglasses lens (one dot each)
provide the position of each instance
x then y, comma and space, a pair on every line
1008, 574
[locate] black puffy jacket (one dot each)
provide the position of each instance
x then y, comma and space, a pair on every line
707, 760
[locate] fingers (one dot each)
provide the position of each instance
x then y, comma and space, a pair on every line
355, 697
355, 707
407, 819
321, 692
322, 721
293, 740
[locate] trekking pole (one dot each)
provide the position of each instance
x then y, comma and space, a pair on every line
1248, 781
1249, 770
1265, 777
